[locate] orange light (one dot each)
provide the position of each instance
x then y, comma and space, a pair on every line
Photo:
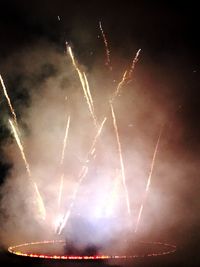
169, 248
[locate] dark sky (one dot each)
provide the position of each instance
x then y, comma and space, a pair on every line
158, 27
166, 31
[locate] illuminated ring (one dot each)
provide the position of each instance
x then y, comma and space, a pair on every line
169, 248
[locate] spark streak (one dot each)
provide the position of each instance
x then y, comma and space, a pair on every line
65, 141
62, 160
39, 198
88, 92
85, 85
20, 147
149, 180
126, 76
135, 60
120, 85
60, 190
120, 157
81, 176
8, 100
108, 61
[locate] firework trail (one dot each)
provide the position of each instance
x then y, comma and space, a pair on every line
65, 141
88, 92
39, 198
120, 157
126, 76
64, 220
92, 149
149, 180
85, 85
8, 100
81, 176
20, 147
62, 160
120, 85
135, 60
108, 61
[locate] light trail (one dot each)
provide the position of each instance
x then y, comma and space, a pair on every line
65, 141
81, 176
89, 93
18, 141
135, 60
84, 84
108, 61
8, 100
61, 163
40, 202
149, 180
121, 158
126, 76
119, 86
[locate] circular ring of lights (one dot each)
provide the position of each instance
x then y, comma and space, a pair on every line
18, 250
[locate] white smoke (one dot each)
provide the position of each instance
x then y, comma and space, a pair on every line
99, 216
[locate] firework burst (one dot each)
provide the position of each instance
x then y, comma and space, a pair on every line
66, 195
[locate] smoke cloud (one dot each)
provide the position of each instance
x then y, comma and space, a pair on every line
45, 91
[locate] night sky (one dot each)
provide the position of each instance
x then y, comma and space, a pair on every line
167, 33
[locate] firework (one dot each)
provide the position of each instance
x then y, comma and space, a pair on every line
89, 93
120, 157
65, 141
62, 175
126, 76
119, 86
40, 202
82, 175
20, 147
149, 180
135, 60
8, 100
84, 84
119, 181
108, 61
